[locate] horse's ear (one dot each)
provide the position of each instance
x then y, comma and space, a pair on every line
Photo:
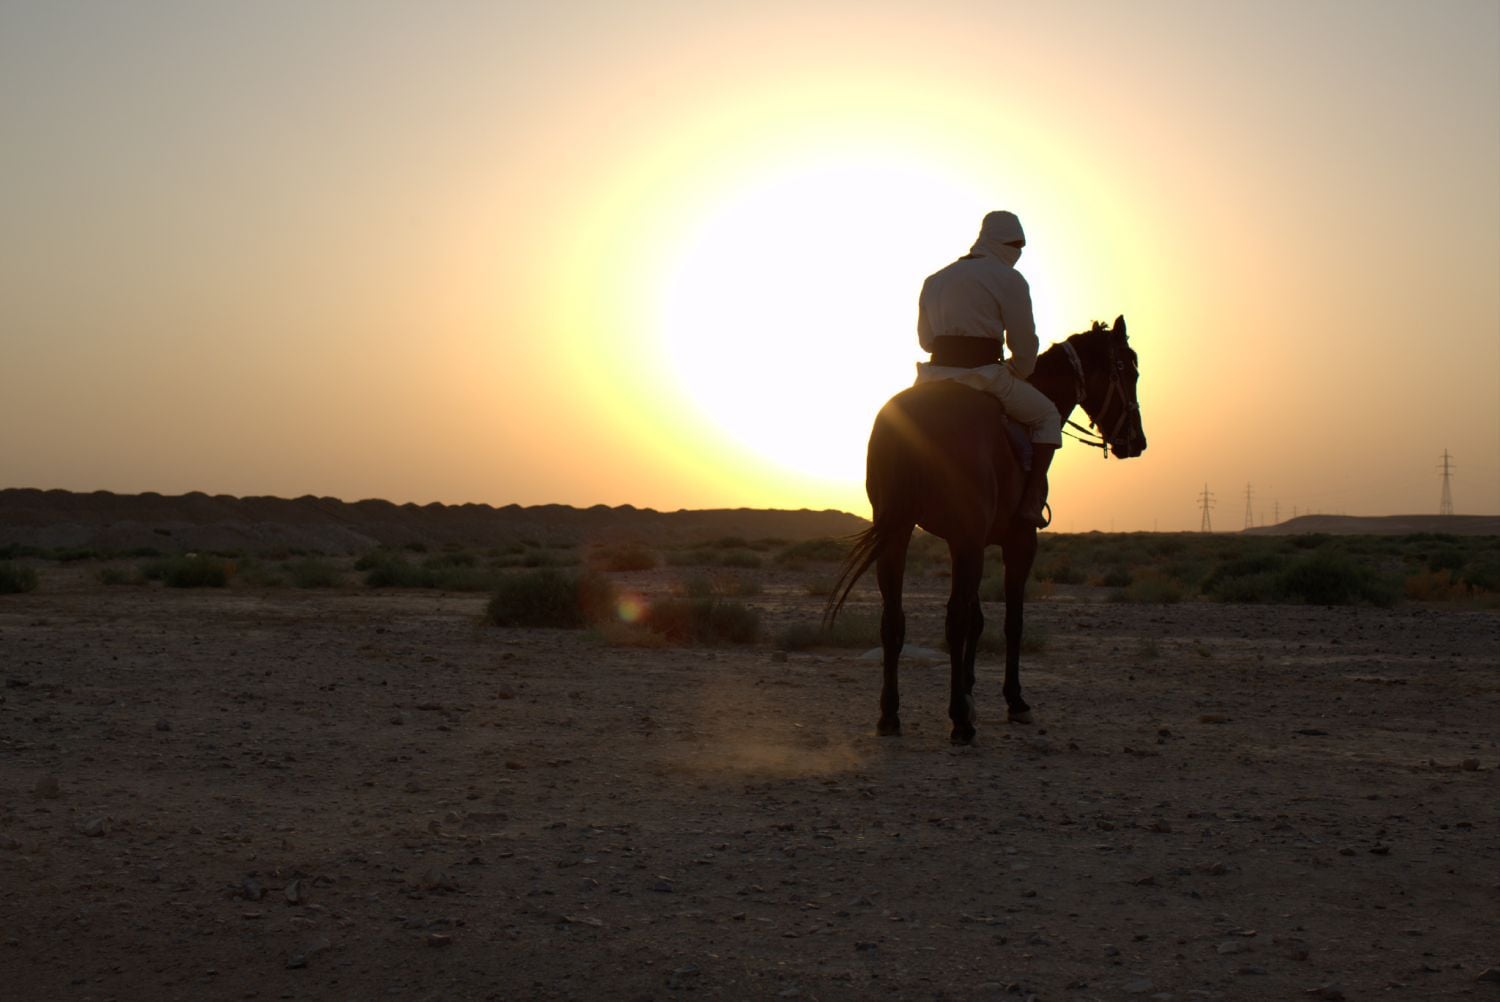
1120, 325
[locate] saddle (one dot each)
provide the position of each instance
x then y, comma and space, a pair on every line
956, 352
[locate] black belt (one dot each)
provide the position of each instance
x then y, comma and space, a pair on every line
961, 352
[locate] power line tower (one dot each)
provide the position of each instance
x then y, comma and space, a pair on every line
1275, 512
1445, 506
1249, 516
1206, 501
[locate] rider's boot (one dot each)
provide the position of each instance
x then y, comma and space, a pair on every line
1034, 494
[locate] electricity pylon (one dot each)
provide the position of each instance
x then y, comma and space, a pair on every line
1445, 506
1249, 517
1206, 501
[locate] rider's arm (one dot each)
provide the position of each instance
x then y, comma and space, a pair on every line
1020, 325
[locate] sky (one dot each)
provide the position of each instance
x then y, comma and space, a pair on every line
668, 253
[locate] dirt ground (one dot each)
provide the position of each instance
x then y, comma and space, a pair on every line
234, 794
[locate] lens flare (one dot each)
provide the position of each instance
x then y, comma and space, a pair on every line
630, 608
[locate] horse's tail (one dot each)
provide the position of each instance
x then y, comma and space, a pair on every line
864, 552
890, 481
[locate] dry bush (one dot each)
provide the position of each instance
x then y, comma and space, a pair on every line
16, 578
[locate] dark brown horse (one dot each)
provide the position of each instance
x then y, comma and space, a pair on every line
939, 458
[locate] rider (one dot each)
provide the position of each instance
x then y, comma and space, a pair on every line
965, 312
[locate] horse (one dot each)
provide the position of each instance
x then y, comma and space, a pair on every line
940, 458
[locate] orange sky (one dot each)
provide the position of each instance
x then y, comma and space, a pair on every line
668, 254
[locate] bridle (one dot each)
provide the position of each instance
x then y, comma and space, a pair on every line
1104, 437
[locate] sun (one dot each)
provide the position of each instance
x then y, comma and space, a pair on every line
788, 312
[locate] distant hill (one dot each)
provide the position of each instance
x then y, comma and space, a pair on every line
120, 522
1383, 525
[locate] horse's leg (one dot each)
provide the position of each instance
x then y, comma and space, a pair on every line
971, 651
968, 565
1020, 554
890, 568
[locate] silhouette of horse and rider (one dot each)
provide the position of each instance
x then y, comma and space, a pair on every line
941, 457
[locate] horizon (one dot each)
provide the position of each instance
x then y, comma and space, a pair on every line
668, 256
1425, 516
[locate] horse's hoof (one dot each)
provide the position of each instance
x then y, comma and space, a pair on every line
1019, 716
888, 728
963, 738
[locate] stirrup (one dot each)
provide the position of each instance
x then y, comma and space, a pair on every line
1046, 517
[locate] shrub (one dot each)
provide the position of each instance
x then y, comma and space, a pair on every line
310, 572
395, 571
1059, 572
697, 557
120, 576
625, 557
191, 570
1434, 586
549, 598
1153, 587
261, 575
16, 578
704, 621
824, 550
1483, 574
462, 578
1330, 577
1253, 578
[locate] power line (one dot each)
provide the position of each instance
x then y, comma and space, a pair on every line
1445, 506
1206, 501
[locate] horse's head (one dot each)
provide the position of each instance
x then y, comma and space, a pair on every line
1107, 372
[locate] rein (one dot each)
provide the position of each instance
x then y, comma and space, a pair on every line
1098, 439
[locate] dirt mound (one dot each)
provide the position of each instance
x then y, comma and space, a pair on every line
120, 522
1383, 525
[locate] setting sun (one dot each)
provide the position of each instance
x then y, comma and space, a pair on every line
786, 344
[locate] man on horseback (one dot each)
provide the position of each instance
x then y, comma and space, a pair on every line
966, 313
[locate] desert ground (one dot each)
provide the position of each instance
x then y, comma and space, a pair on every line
361, 793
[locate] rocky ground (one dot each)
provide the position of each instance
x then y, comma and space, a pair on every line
286, 794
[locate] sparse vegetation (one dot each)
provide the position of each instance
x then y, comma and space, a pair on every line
710, 620
312, 572
623, 557
190, 570
550, 598
1310, 569
814, 551
16, 578
113, 574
